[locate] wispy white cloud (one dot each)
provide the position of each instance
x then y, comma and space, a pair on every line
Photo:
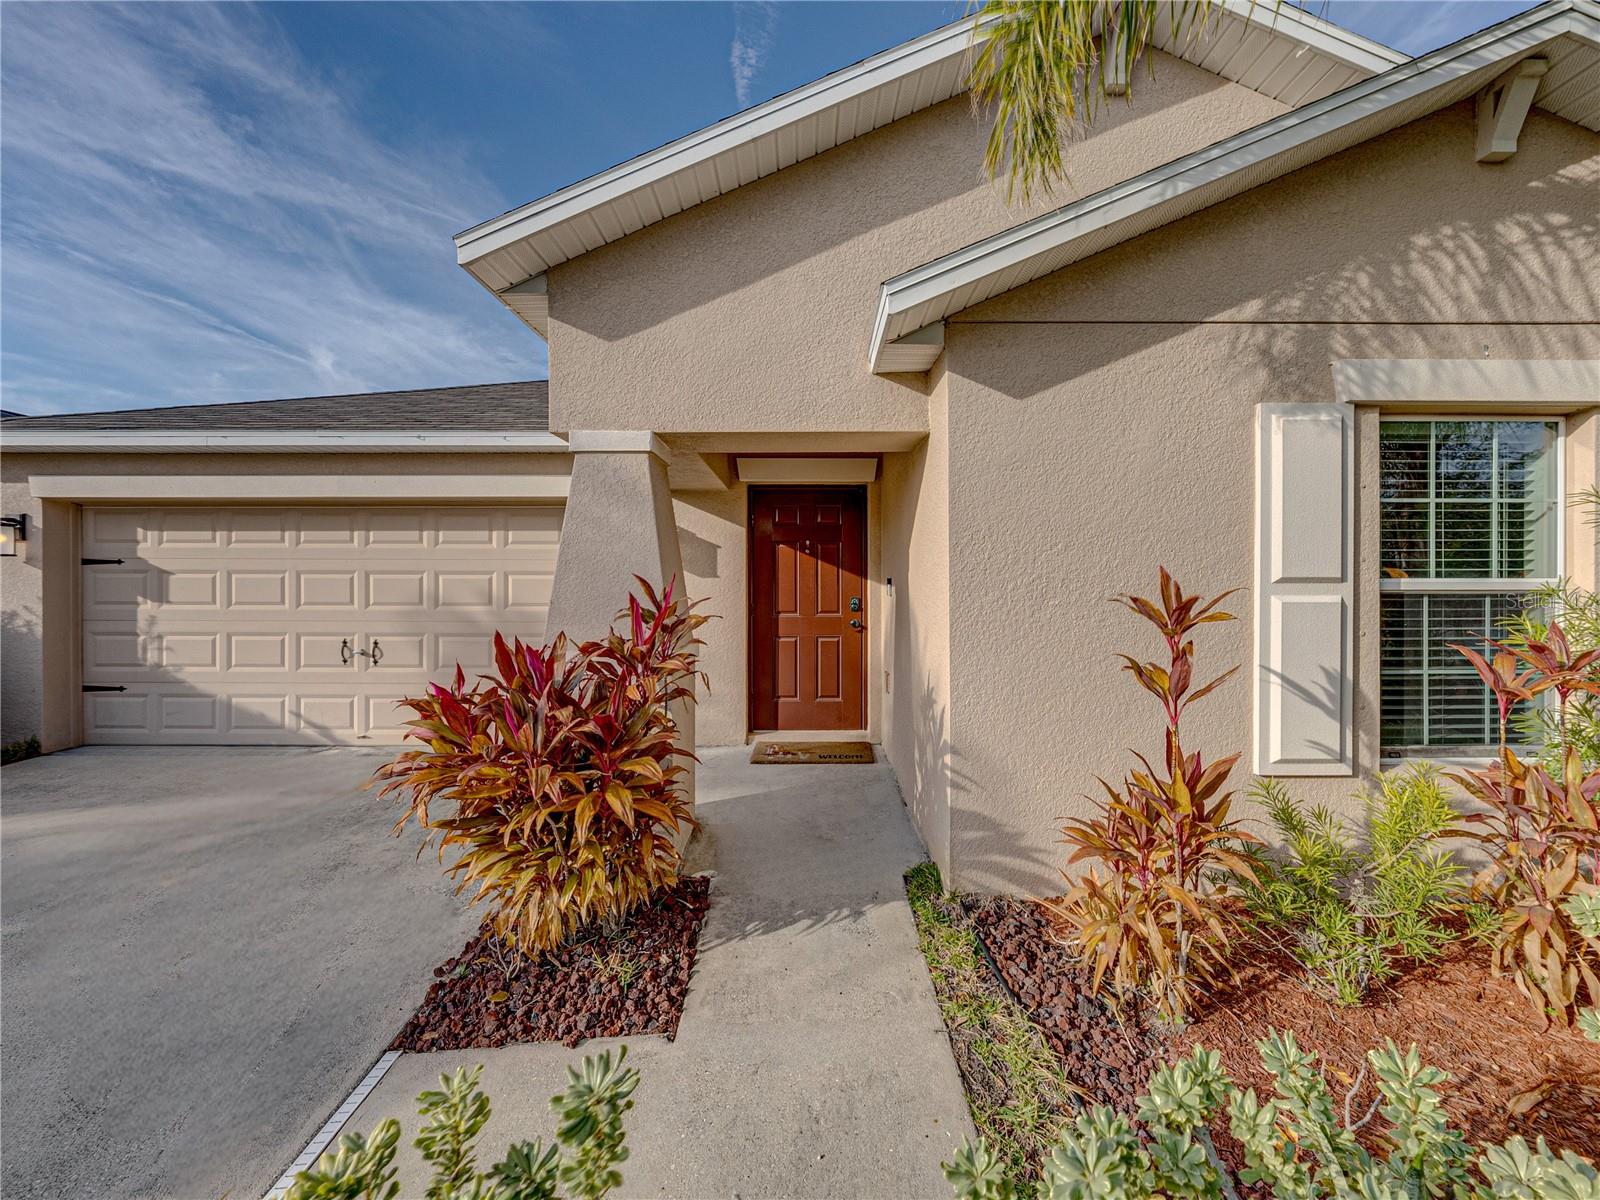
755, 26
192, 214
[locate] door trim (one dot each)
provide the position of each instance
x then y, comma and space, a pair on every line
864, 497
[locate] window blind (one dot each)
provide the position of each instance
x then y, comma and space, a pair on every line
1469, 524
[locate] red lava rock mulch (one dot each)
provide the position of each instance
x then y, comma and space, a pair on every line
1109, 1060
609, 985
1477, 1028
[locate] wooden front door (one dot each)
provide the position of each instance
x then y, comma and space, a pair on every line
808, 599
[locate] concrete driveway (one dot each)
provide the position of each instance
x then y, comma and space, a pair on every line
203, 951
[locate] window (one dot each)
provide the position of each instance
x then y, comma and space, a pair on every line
1471, 523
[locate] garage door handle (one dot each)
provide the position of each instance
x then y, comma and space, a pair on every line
347, 655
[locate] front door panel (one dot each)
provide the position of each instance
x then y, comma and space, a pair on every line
808, 608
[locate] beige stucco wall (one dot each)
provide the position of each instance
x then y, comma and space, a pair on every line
750, 315
712, 542
39, 634
916, 557
1113, 431
752, 312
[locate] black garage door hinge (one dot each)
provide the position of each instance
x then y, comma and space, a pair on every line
101, 562
104, 687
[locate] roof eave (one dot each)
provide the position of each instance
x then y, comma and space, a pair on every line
325, 441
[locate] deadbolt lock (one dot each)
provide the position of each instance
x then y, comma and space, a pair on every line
855, 603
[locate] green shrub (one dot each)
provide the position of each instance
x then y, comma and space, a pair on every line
1295, 1143
589, 1145
1348, 911
17, 751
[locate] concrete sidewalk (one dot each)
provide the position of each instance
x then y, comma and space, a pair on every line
811, 1060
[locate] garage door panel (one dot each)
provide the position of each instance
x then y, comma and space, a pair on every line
110, 532
190, 589
258, 589
189, 714
112, 711
188, 528
326, 589
182, 653
226, 626
406, 590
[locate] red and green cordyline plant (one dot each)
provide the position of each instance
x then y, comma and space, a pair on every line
558, 775
1541, 832
1145, 913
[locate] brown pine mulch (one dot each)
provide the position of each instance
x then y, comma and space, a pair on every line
620, 984
1477, 1028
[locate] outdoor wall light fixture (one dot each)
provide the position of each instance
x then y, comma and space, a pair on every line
12, 531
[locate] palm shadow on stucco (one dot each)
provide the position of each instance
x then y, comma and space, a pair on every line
1274, 275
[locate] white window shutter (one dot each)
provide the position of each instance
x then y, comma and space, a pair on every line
1305, 589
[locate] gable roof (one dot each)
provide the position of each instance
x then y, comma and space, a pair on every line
1278, 50
1566, 33
493, 415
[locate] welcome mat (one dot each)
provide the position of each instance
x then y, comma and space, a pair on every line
793, 753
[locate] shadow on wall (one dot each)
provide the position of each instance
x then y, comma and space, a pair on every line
21, 653
979, 847
1324, 699
1367, 255
699, 555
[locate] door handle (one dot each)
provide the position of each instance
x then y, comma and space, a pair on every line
347, 655
856, 624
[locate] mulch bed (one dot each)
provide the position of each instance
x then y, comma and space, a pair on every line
620, 984
1477, 1028
1108, 1059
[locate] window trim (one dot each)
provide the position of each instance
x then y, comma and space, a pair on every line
1456, 585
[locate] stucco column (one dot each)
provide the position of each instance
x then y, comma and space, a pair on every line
619, 523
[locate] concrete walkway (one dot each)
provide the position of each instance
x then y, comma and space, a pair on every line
811, 1060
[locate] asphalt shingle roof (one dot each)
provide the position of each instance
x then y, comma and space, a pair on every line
522, 407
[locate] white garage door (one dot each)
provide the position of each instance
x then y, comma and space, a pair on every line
291, 625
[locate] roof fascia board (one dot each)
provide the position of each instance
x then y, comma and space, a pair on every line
835, 88
139, 441
1517, 36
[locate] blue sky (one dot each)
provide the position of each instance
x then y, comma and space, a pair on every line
212, 203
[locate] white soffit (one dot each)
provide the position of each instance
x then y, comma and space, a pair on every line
808, 470
1276, 49
1566, 33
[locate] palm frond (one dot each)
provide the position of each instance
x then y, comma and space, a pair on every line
1044, 66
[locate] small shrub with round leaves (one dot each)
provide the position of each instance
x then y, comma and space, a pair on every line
584, 1159
1298, 1144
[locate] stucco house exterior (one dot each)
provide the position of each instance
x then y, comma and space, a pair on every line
1310, 319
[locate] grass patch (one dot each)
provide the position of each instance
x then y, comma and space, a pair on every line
1016, 1091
